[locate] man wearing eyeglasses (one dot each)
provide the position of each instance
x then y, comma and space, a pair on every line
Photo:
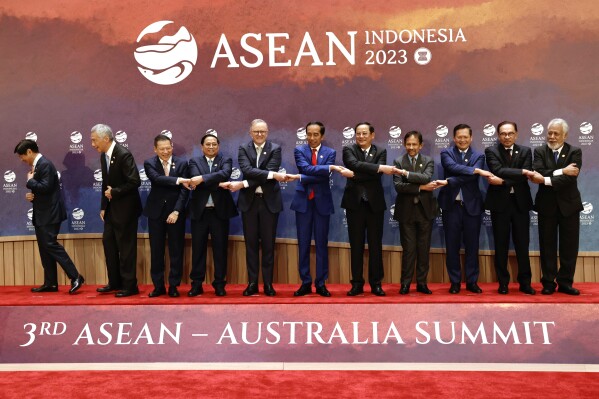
260, 203
509, 200
556, 168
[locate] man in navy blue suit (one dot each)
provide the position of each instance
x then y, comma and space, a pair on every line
462, 204
48, 213
165, 209
313, 206
211, 207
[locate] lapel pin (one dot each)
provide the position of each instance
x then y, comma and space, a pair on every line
465, 160
420, 165
321, 156
215, 165
515, 152
563, 155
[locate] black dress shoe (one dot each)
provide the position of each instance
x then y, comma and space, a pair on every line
355, 290
269, 290
423, 288
219, 290
473, 287
76, 283
157, 292
503, 289
527, 289
568, 289
548, 290
173, 292
454, 288
377, 290
304, 289
45, 288
195, 290
107, 288
322, 291
405, 289
252, 289
125, 293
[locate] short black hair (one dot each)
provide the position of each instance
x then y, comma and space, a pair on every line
25, 145
507, 123
209, 135
412, 133
319, 124
161, 137
370, 127
460, 127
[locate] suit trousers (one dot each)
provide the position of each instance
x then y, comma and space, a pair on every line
364, 223
460, 226
518, 222
313, 223
159, 232
415, 237
259, 231
52, 252
120, 250
568, 228
218, 229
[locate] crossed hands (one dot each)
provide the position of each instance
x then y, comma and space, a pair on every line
392, 170
536, 177
347, 173
491, 178
433, 185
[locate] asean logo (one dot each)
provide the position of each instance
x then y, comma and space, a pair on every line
78, 213
171, 59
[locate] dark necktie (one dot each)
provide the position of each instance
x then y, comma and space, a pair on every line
414, 164
555, 155
509, 156
314, 162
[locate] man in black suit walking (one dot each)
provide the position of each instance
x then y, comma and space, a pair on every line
211, 208
364, 202
120, 209
48, 213
260, 203
165, 209
509, 200
558, 202
415, 209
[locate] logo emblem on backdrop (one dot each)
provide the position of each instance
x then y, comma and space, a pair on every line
9, 176
212, 132
142, 175
30, 214
301, 133
31, 136
395, 132
167, 133
536, 129
588, 208
235, 174
488, 130
76, 137
171, 59
422, 56
348, 132
120, 136
586, 128
98, 175
442, 131
78, 213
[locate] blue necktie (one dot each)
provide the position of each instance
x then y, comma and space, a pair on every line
210, 203
555, 155
463, 155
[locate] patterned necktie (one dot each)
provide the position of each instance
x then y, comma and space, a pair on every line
210, 164
463, 155
555, 155
365, 155
314, 162
258, 152
165, 167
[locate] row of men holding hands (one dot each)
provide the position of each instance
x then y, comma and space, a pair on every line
211, 206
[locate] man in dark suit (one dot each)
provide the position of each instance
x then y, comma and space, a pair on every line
462, 204
260, 203
509, 200
558, 202
211, 208
165, 209
313, 206
415, 209
48, 213
120, 209
364, 202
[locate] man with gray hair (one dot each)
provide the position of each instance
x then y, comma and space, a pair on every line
556, 167
120, 209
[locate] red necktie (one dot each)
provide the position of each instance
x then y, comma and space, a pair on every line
314, 162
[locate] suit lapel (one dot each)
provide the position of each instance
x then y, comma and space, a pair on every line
265, 153
563, 155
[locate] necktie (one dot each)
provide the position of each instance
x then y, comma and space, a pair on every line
509, 155
365, 155
258, 152
314, 162
463, 155
414, 164
210, 165
555, 155
165, 167
210, 202
107, 162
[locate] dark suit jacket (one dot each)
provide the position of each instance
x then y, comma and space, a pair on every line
460, 175
563, 193
123, 177
498, 197
270, 160
314, 177
408, 188
165, 192
224, 206
48, 205
366, 177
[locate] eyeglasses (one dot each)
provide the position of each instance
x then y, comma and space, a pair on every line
259, 132
509, 134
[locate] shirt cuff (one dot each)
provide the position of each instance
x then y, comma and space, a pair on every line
178, 181
547, 181
271, 175
245, 184
558, 172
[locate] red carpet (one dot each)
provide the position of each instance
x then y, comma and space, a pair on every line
21, 295
297, 384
